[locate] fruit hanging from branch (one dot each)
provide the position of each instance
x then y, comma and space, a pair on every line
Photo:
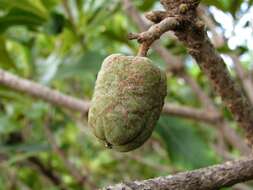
127, 102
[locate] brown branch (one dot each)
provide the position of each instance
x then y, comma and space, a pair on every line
196, 40
192, 33
218, 40
195, 114
157, 30
154, 33
210, 178
42, 92
176, 64
214, 67
156, 16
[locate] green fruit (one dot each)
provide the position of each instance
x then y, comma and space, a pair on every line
127, 102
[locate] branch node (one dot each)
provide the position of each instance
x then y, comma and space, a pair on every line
156, 16
132, 36
183, 8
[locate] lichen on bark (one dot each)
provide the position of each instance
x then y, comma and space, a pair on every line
127, 102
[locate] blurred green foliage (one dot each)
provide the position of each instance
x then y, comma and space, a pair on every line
61, 44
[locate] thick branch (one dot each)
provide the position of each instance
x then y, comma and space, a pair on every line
218, 41
176, 64
213, 66
210, 178
192, 33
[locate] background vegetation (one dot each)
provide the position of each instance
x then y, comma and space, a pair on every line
61, 44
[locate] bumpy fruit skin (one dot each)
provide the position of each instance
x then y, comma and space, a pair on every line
127, 102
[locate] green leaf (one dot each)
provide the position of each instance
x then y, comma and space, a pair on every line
35, 7
6, 61
20, 17
146, 4
89, 62
235, 6
220, 4
50, 4
7, 125
229, 6
55, 24
185, 146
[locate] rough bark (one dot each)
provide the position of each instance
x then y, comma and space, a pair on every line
194, 36
215, 69
176, 66
211, 178
190, 30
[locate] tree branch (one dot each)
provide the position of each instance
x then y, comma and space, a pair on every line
187, 112
42, 92
176, 64
210, 178
193, 34
147, 38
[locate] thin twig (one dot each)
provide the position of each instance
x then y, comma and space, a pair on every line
47, 172
155, 32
